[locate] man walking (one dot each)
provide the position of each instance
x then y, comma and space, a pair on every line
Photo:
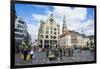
60, 53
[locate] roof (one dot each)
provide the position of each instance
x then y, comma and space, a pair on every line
83, 35
74, 32
64, 34
90, 37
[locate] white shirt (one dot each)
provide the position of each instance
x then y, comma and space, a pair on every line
31, 52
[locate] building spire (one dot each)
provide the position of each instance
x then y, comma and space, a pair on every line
51, 17
64, 28
64, 20
64, 23
42, 20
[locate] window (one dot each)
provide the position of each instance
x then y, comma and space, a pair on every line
46, 36
51, 32
58, 29
47, 28
47, 32
19, 35
54, 37
41, 41
41, 36
21, 22
51, 20
54, 33
54, 29
19, 26
51, 36
41, 30
51, 28
18, 30
58, 33
50, 41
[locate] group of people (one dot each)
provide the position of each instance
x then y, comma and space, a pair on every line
66, 52
27, 54
60, 52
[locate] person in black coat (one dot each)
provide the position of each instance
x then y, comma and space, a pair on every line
60, 53
25, 52
69, 52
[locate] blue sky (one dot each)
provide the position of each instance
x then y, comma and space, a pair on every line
78, 19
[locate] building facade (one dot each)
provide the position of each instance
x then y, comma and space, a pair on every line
48, 33
91, 40
78, 40
21, 33
70, 39
85, 41
65, 37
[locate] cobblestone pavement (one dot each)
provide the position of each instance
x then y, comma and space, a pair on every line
40, 58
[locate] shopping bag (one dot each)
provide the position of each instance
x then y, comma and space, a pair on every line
22, 56
28, 57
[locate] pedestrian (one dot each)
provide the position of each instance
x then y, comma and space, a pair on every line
80, 49
56, 53
65, 52
60, 53
73, 51
32, 54
69, 52
25, 53
47, 53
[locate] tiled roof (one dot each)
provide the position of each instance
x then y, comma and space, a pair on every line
90, 37
63, 34
73, 32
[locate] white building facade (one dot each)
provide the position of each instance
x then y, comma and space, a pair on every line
21, 32
48, 32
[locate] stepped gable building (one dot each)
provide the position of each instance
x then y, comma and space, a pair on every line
48, 33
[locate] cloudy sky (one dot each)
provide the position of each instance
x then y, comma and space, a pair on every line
77, 18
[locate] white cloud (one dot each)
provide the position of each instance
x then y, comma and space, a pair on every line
76, 13
38, 17
88, 27
33, 30
76, 19
40, 6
